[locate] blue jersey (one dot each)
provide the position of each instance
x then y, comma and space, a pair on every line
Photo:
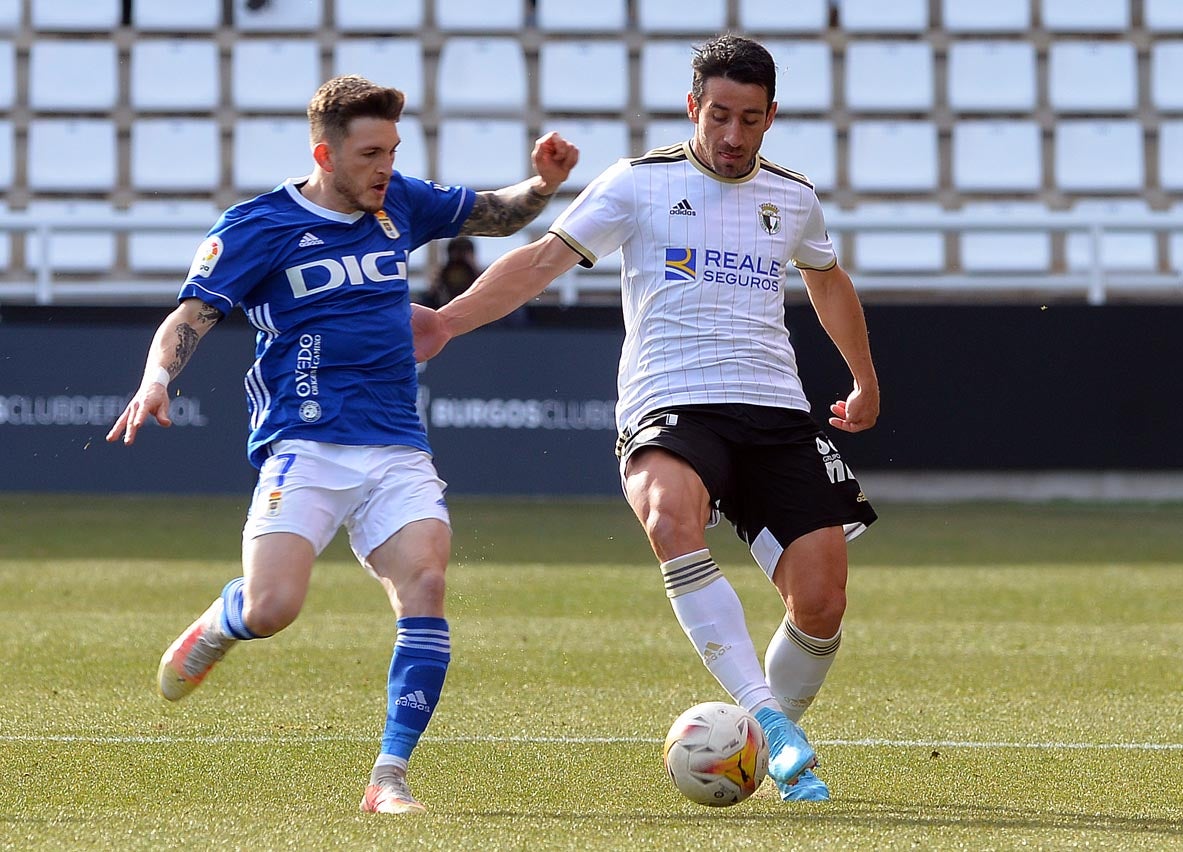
327, 291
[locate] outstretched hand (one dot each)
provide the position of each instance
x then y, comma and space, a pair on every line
857, 412
151, 400
553, 159
429, 332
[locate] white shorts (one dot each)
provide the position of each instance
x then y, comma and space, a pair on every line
312, 489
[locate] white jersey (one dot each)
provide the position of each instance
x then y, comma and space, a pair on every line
703, 275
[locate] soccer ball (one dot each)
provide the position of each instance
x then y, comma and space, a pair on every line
716, 754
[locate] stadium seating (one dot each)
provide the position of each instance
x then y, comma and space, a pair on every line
73, 251
71, 155
566, 67
1039, 108
396, 62
175, 155
468, 64
167, 251
192, 16
997, 16
775, 16
55, 84
900, 251
379, 16
275, 75
173, 75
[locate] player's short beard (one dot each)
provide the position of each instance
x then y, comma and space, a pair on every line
346, 191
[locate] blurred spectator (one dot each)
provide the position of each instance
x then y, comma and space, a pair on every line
456, 275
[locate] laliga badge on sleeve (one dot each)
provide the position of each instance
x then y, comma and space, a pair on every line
387, 226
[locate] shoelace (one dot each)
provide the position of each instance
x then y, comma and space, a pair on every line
205, 653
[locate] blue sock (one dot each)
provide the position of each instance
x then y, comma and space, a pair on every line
421, 655
232, 623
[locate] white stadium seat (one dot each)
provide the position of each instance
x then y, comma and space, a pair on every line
72, 155
467, 67
1099, 155
808, 146
565, 69
480, 16
7, 76
776, 16
277, 16
75, 15
997, 156
804, 76
1175, 243
893, 156
1014, 251
1163, 15
663, 132
889, 76
274, 74
10, 15
991, 76
73, 251
412, 155
601, 143
900, 251
5, 243
55, 81
1166, 72
482, 153
607, 16
996, 16
878, 16
378, 16
176, 154
173, 75
665, 75
7, 154
1086, 16
1092, 76
396, 62
678, 16
190, 16
1124, 250
169, 252
1170, 156
267, 151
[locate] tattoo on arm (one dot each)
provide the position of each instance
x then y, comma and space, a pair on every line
503, 212
188, 337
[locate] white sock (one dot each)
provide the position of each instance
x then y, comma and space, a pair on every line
386, 767
712, 617
796, 665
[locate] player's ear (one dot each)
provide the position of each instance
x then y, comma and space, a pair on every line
771, 115
691, 107
323, 155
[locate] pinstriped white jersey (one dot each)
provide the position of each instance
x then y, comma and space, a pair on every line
705, 262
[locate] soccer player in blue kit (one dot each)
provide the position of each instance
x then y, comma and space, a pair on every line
319, 266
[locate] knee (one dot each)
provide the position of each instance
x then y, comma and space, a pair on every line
268, 612
673, 534
821, 614
421, 591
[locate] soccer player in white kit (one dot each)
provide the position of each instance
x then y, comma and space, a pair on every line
711, 412
319, 266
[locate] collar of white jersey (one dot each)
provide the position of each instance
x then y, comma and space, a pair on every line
688, 147
292, 185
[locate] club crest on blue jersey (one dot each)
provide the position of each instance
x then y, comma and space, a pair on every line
387, 226
681, 264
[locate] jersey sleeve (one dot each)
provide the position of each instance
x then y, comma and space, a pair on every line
228, 264
434, 211
814, 251
602, 217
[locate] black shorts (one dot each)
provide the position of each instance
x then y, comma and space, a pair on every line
772, 472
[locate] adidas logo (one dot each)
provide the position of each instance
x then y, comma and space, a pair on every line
682, 208
714, 651
415, 700
310, 239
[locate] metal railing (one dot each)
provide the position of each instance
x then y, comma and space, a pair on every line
43, 284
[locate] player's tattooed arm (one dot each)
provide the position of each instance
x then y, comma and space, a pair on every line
503, 212
193, 319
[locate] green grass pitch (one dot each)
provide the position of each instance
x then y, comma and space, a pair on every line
1010, 678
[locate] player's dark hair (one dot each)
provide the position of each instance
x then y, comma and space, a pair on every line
735, 58
342, 99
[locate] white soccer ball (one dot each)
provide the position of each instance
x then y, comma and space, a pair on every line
716, 754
